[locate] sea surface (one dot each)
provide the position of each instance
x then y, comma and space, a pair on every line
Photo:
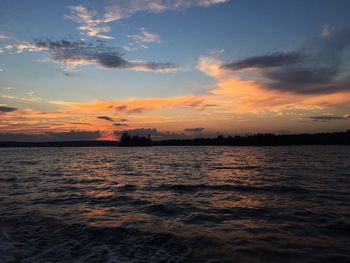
175, 204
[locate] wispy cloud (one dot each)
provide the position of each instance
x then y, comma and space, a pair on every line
28, 96
89, 22
135, 106
8, 88
145, 37
95, 25
3, 37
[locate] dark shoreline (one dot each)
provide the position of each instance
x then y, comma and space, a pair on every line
335, 138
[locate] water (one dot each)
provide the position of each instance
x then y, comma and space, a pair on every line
175, 204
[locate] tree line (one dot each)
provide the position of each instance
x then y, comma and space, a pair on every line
261, 139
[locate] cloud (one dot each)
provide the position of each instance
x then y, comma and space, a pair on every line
28, 96
317, 68
72, 54
75, 135
106, 118
155, 134
51, 136
127, 110
267, 61
241, 94
26, 46
194, 130
327, 31
145, 37
144, 112
89, 22
94, 25
118, 124
136, 105
7, 109
80, 123
3, 37
324, 118
8, 88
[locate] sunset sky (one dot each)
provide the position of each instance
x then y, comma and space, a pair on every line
172, 68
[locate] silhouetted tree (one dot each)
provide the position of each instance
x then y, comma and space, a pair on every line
127, 140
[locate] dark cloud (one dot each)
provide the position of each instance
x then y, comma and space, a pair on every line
123, 120
51, 136
121, 108
267, 61
136, 110
110, 60
118, 124
328, 118
315, 68
156, 135
58, 44
126, 109
80, 123
106, 118
7, 109
194, 130
74, 135
73, 53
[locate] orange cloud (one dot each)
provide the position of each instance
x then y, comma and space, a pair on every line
243, 96
84, 116
233, 104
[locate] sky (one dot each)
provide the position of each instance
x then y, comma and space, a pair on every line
73, 70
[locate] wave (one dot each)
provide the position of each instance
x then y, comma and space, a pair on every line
35, 238
228, 187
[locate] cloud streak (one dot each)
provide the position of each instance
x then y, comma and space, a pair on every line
325, 118
137, 105
118, 124
267, 61
28, 96
194, 130
106, 118
7, 109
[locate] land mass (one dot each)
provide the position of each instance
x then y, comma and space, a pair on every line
267, 139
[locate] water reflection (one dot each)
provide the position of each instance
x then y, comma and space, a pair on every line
244, 198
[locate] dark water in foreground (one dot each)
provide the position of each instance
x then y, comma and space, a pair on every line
175, 204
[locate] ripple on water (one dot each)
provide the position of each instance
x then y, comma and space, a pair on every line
175, 204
